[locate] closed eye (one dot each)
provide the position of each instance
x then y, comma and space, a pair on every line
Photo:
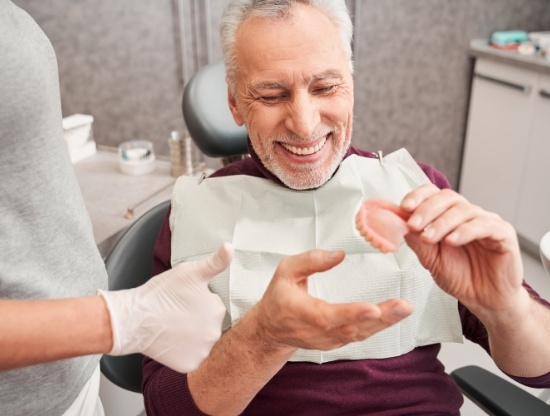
272, 99
324, 90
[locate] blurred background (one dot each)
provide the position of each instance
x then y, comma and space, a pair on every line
126, 62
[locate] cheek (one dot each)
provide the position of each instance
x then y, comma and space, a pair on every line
339, 107
264, 121
339, 115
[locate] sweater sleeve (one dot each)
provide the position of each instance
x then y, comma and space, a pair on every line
435, 176
165, 391
475, 331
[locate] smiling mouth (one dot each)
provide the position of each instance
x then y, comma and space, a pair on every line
305, 151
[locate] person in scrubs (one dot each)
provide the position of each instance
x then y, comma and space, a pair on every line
50, 268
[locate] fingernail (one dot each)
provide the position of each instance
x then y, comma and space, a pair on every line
331, 255
401, 311
429, 231
415, 221
453, 237
408, 203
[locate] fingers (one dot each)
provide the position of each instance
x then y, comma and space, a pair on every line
445, 215
491, 227
356, 322
386, 313
334, 315
212, 265
414, 198
428, 203
300, 266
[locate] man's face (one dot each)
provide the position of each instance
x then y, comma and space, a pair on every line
294, 93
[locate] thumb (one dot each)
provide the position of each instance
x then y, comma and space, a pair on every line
300, 266
214, 264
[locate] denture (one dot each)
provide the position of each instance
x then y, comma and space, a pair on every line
382, 223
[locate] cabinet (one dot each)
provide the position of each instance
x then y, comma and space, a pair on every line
506, 163
532, 218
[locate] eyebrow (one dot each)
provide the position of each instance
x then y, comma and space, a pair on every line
328, 74
268, 85
272, 85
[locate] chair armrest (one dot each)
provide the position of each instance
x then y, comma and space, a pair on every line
497, 396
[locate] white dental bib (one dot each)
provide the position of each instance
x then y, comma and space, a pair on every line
265, 221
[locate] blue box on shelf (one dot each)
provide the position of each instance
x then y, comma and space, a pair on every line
509, 37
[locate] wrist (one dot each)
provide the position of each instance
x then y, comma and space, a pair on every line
116, 311
255, 332
107, 337
505, 314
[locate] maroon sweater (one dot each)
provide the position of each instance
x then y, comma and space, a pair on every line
411, 384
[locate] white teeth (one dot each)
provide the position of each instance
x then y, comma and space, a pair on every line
304, 151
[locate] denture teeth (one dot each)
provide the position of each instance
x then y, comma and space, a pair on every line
304, 151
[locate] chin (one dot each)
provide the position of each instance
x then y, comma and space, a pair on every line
302, 177
301, 181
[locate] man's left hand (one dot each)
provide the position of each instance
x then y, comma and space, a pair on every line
472, 254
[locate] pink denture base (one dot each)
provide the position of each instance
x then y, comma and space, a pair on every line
382, 223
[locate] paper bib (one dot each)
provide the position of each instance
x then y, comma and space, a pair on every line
265, 221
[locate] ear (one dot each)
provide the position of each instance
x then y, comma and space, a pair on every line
234, 109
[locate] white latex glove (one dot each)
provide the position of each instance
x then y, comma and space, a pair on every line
173, 318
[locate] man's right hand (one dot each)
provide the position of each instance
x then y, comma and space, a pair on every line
289, 317
285, 319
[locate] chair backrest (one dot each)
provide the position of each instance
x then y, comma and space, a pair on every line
130, 264
207, 115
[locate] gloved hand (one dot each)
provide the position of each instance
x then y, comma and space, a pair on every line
173, 318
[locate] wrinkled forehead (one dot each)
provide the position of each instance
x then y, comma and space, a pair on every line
297, 48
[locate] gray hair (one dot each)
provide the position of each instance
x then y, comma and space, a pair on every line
237, 11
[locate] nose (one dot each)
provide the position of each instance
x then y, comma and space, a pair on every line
303, 115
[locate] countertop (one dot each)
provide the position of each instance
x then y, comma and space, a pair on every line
480, 48
108, 194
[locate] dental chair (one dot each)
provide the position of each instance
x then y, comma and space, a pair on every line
208, 118
130, 264
495, 395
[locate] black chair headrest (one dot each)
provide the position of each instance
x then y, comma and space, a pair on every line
207, 115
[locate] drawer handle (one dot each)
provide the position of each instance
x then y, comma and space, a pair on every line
523, 88
544, 94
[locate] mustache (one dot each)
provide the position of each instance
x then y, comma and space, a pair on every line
319, 133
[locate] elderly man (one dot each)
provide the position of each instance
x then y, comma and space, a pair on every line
350, 343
